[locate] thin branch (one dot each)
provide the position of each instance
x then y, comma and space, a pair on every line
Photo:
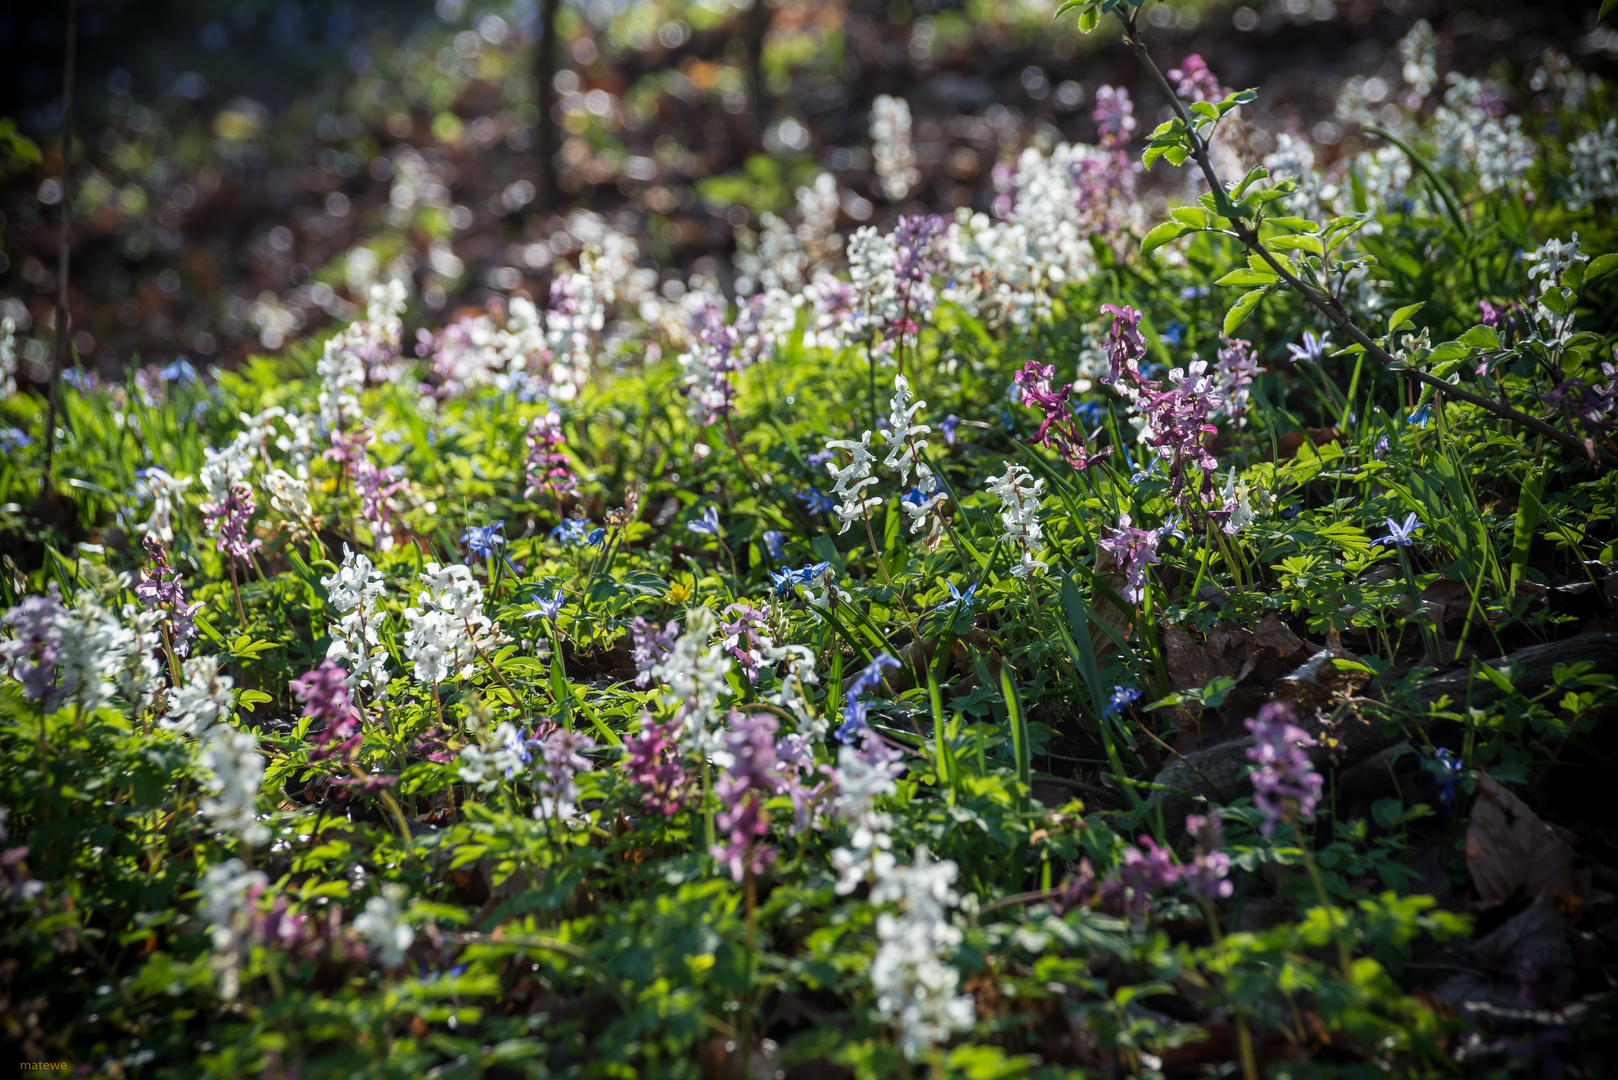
1329, 305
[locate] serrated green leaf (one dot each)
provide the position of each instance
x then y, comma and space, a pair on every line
1480, 337
1240, 310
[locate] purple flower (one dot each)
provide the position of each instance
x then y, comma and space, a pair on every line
1285, 784
1234, 374
1446, 770
14, 439
561, 758
1194, 82
947, 426
706, 523
854, 709
323, 693
1380, 450
1126, 346
652, 762
746, 626
649, 644
1114, 116
746, 785
180, 371
155, 591
817, 460
32, 653
1400, 534
1312, 349
573, 532
1134, 550
1208, 874
1142, 872
774, 544
231, 518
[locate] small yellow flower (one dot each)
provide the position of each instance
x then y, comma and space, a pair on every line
680, 591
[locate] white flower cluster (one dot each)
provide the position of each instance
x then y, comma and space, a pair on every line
861, 776
94, 652
693, 674
795, 695
366, 346
384, 927
355, 592
1006, 270
915, 985
495, 754
8, 357
1469, 136
1593, 167
201, 700
447, 628
235, 771
1019, 495
1419, 52
894, 157
818, 204
904, 449
851, 480
166, 493
226, 891
1548, 262
878, 299
773, 258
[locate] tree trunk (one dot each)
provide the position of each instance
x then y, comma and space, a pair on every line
547, 141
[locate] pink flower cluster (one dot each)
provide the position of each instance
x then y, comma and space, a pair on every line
376, 486
1134, 550
1194, 82
549, 468
752, 779
1285, 784
653, 763
746, 629
156, 590
231, 519
323, 693
1177, 417
1057, 426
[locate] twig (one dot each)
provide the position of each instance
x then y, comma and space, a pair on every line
1330, 306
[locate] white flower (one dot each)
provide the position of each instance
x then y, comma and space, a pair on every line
289, 496
890, 146
795, 696
141, 674
1419, 51
1551, 258
1593, 167
355, 591
382, 924
693, 673
852, 479
501, 754
225, 889
236, 769
92, 652
165, 492
8, 357
448, 628
200, 701
915, 986
861, 776
1019, 496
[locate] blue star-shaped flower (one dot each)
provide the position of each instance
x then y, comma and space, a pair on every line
481, 540
1400, 534
706, 523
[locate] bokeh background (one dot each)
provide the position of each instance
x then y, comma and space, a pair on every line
244, 169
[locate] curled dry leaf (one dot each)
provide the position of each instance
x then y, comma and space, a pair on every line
1510, 850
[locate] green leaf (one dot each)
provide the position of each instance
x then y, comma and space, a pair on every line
1601, 265
1307, 243
1240, 310
1606, 9
251, 698
1163, 234
1402, 316
1249, 276
1480, 337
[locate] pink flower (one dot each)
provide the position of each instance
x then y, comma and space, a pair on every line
231, 518
1126, 346
323, 693
1194, 82
1285, 784
743, 789
1114, 116
652, 762
1135, 550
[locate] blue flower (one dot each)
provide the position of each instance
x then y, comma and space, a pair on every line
1193, 292
775, 543
853, 708
1422, 416
550, 609
1312, 349
1175, 332
1400, 534
1446, 770
957, 597
816, 503
786, 579
1121, 698
180, 372
707, 522
597, 538
14, 439
818, 459
948, 426
1090, 413
480, 540
574, 531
